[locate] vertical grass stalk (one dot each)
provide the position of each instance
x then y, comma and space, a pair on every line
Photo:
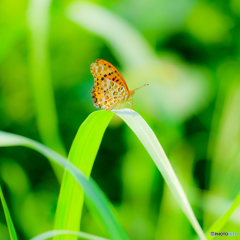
47, 121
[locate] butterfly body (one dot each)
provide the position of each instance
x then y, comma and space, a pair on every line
110, 89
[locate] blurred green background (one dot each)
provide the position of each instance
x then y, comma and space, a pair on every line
189, 54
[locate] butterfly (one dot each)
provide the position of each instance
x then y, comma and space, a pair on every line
110, 89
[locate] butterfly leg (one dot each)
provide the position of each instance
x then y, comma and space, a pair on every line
113, 106
116, 109
131, 105
119, 106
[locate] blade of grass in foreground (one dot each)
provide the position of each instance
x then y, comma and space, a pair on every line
97, 201
155, 150
81, 235
219, 224
11, 229
82, 154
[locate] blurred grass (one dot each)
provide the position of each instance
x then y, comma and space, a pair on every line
11, 228
81, 235
218, 225
136, 52
227, 141
98, 202
47, 120
168, 209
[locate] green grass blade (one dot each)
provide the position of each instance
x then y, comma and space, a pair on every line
47, 120
97, 201
219, 224
82, 154
155, 150
80, 235
11, 229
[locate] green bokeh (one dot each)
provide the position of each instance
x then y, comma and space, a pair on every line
187, 51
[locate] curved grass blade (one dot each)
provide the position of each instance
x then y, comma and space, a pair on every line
80, 235
82, 154
219, 224
11, 229
155, 150
97, 201
133, 50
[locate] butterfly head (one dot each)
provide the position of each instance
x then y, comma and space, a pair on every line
131, 93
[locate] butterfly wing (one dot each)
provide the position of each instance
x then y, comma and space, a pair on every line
107, 94
101, 68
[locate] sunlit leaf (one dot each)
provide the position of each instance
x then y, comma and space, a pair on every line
152, 145
82, 154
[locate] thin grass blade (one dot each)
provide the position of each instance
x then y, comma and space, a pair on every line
155, 150
219, 224
11, 228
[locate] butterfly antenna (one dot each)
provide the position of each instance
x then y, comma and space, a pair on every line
141, 87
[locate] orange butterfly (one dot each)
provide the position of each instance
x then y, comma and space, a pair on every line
110, 89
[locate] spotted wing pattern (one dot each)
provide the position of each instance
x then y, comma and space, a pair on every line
107, 94
109, 88
109, 71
